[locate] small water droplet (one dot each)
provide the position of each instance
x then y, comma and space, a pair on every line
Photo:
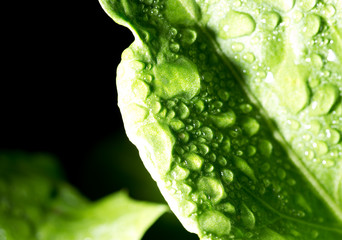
320, 147
316, 61
236, 24
227, 176
329, 10
270, 20
222, 161
174, 47
281, 173
333, 136
180, 173
251, 150
246, 108
204, 149
215, 222
265, 167
226, 145
243, 166
237, 47
248, 57
323, 99
307, 5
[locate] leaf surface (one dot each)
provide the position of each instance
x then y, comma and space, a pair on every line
235, 107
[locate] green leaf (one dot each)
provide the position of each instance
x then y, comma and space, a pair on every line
35, 203
235, 107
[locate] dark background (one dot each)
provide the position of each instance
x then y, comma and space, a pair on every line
58, 95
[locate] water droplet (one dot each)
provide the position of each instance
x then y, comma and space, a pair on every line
236, 24
309, 154
293, 124
199, 105
226, 145
250, 126
140, 89
270, 20
227, 207
265, 167
249, 57
194, 161
204, 149
314, 234
184, 136
173, 32
246, 108
281, 173
243, 166
306, 137
174, 47
237, 47
316, 61
320, 147
247, 217
297, 16
215, 222
183, 110
227, 176
212, 188
291, 182
333, 136
251, 150
328, 163
307, 5
222, 161
265, 147
189, 36
224, 120
329, 10
223, 95
177, 125
180, 173
312, 24
207, 133
323, 99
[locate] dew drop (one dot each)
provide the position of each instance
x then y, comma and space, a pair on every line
307, 5
174, 47
227, 207
224, 120
180, 173
177, 125
311, 25
204, 149
212, 188
281, 173
243, 166
227, 176
329, 10
189, 36
251, 150
223, 95
226, 145
184, 136
333, 136
236, 24
250, 126
194, 161
215, 222
320, 147
323, 99
246, 108
316, 61
248, 57
247, 217
265, 147
207, 133
222, 161
265, 167
270, 20
237, 47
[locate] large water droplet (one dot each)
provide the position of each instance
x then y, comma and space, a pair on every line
207, 133
223, 120
247, 217
194, 161
270, 20
312, 24
250, 126
332, 136
227, 176
189, 36
323, 99
243, 166
307, 5
236, 24
215, 222
212, 188
320, 147
265, 147
180, 173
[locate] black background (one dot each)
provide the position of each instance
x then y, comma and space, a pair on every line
58, 95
